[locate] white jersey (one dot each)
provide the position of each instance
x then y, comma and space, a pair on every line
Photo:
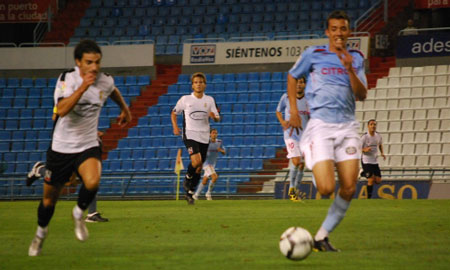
373, 142
77, 130
196, 116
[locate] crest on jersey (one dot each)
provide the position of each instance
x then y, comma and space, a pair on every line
101, 95
351, 150
204, 105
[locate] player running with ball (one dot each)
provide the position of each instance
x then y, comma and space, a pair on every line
336, 79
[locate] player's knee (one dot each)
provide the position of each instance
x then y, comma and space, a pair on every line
377, 180
47, 202
91, 183
325, 190
347, 192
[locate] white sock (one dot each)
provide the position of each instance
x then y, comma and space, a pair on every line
199, 189
210, 187
41, 232
321, 234
77, 212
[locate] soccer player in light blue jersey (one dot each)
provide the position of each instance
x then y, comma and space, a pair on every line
214, 148
291, 138
336, 79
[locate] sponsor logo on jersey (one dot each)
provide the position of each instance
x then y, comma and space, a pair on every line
198, 115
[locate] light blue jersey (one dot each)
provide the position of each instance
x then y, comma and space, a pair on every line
328, 91
211, 156
303, 111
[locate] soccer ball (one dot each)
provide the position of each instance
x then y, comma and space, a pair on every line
296, 243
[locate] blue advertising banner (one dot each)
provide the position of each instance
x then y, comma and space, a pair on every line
435, 44
386, 190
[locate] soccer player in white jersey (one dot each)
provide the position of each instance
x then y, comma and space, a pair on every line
79, 96
291, 138
196, 108
336, 79
215, 147
371, 141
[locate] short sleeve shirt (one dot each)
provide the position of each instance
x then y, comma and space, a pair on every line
196, 116
77, 130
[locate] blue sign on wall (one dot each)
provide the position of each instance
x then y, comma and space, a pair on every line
436, 44
386, 190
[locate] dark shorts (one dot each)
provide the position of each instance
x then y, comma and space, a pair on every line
371, 169
195, 147
60, 167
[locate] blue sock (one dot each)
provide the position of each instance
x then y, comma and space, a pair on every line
292, 175
336, 213
298, 179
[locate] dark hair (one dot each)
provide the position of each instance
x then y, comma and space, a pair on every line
368, 122
213, 130
302, 77
86, 46
338, 14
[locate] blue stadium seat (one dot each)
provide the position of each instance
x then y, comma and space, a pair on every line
269, 152
12, 83
26, 82
149, 153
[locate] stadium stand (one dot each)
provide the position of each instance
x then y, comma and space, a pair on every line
411, 106
170, 24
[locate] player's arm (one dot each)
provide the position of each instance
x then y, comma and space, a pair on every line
173, 118
364, 148
65, 105
284, 124
294, 120
125, 114
381, 151
221, 150
214, 113
358, 87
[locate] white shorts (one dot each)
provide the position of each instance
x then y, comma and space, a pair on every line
329, 141
292, 147
208, 170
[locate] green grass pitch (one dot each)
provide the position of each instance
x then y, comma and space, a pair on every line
230, 234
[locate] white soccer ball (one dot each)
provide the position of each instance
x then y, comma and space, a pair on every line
296, 243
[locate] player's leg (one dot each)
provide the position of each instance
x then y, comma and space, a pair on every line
201, 185
45, 212
89, 170
370, 182
212, 183
93, 215
347, 153
298, 179
292, 153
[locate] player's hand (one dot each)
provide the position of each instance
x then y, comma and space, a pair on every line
285, 125
176, 131
213, 117
384, 157
89, 79
345, 57
124, 118
295, 123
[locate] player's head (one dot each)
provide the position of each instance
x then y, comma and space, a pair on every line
198, 82
338, 29
301, 84
213, 134
372, 125
87, 56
